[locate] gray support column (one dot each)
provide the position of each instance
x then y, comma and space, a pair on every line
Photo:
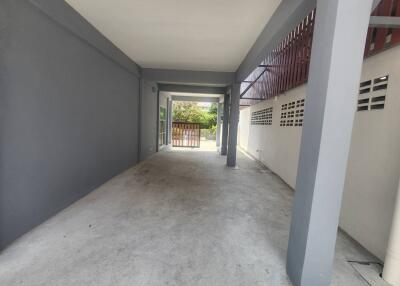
336, 61
218, 131
233, 125
140, 114
169, 122
158, 122
225, 125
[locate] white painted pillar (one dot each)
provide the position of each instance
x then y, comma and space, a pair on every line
218, 131
233, 125
391, 270
332, 90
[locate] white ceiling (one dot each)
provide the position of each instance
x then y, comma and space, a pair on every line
212, 35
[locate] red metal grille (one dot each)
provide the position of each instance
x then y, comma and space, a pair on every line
288, 65
379, 39
185, 134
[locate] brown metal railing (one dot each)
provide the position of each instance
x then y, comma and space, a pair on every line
186, 134
287, 66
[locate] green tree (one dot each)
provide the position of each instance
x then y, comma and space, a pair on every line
212, 114
191, 112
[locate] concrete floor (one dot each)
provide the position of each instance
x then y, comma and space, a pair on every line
180, 218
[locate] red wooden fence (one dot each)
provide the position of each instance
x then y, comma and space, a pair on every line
288, 65
185, 134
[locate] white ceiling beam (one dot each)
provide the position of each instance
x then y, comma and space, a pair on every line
207, 78
179, 88
195, 98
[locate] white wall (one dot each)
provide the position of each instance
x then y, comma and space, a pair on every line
277, 147
374, 159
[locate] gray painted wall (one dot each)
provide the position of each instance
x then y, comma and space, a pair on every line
148, 125
61, 12
69, 116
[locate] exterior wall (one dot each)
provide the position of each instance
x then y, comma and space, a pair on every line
374, 159
69, 116
277, 147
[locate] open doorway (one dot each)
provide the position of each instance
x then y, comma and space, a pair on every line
194, 124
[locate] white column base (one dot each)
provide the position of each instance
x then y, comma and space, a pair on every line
391, 270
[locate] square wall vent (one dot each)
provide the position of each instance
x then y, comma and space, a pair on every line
292, 113
372, 94
262, 117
